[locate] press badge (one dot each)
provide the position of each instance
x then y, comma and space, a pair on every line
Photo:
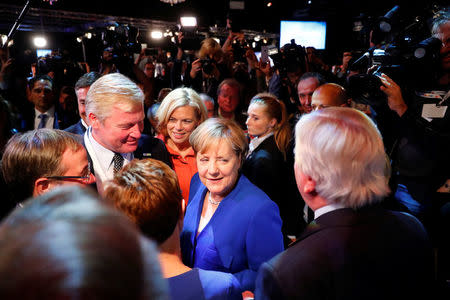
430, 111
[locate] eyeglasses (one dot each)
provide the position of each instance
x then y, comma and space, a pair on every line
86, 179
82, 179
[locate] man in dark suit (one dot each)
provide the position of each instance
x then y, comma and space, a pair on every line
353, 249
44, 113
81, 89
115, 108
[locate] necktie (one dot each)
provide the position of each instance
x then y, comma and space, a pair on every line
118, 162
43, 118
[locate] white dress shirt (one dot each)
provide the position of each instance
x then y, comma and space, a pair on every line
50, 118
101, 158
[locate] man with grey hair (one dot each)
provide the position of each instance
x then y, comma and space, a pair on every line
115, 108
354, 249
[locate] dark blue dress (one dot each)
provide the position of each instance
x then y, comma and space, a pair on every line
244, 232
201, 284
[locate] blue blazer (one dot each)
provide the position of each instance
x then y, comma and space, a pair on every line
246, 228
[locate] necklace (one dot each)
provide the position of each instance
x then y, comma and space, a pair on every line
212, 201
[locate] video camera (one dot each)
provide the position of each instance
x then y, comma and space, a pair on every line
408, 57
290, 58
122, 41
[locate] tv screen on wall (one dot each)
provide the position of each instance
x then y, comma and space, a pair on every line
305, 33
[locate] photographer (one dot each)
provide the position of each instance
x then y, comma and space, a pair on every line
416, 122
208, 70
289, 65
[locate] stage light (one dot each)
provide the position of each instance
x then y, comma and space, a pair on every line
4, 39
79, 39
40, 41
156, 34
269, 3
257, 38
254, 45
188, 21
88, 35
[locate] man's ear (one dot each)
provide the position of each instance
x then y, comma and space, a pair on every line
41, 186
93, 120
310, 186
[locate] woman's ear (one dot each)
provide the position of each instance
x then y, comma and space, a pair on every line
273, 123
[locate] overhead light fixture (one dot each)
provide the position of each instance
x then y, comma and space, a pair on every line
188, 21
172, 2
156, 34
40, 41
4, 39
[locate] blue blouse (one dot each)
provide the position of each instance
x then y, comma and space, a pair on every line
201, 284
244, 232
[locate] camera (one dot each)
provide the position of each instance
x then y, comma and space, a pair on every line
208, 65
290, 58
408, 57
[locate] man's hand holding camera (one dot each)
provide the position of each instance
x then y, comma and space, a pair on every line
394, 94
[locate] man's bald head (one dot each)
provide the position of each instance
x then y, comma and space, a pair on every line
329, 94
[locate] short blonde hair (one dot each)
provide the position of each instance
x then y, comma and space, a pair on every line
112, 89
178, 98
214, 130
342, 150
210, 46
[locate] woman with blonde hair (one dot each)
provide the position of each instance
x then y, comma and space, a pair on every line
181, 111
230, 224
269, 163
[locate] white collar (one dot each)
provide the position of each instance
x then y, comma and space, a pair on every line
84, 123
50, 112
102, 157
327, 208
255, 142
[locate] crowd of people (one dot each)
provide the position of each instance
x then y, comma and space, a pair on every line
223, 177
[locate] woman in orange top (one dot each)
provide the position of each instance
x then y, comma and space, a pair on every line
181, 111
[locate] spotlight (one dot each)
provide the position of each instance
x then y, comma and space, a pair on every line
257, 38
40, 41
79, 39
4, 39
88, 35
188, 21
156, 34
269, 3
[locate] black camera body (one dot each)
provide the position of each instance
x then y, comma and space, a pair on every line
290, 58
208, 65
408, 57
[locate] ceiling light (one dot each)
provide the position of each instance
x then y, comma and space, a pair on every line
172, 2
188, 21
156, 34
40, 41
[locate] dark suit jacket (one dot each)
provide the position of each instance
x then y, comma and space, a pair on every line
27, 120
345, 254
76, 128
267, 169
